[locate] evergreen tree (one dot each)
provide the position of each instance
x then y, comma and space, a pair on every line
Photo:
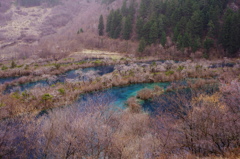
211, 28
124, 9
131, 10
195, 44
234, 43
187, 22
114, 24
109, 21
163, 39
175, 33
116, 27
160, 25
186, 40
208, 43
144, 8
101, 26
142, 45
153, 34
146, 32
13, 64
196, 23
139, 27
226, 30
127, 28
180, 41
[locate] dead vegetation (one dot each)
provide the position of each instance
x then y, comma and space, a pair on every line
121, 76
203, 126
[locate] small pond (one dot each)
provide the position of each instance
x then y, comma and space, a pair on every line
84, 74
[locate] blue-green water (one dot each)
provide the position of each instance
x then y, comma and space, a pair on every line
100, 70
116, 96
9, 79
72, 75
26, 86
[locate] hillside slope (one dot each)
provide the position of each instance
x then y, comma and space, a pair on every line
190, 24
26, 31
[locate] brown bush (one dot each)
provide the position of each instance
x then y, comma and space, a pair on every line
133, 105
145, 94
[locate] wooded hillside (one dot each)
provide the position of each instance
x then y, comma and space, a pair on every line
190, 24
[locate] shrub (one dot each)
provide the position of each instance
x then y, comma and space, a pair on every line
4, 67
26, 67
57, 65
133, 105
208, 43
97, 62
180, 68
61, 91
25, 94
13, 64
81, 62
46, 97
157, 91
2, 104
198, 67
16, 95
168, 73
145, 94
153, 63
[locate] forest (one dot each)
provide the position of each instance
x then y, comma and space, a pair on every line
190, 24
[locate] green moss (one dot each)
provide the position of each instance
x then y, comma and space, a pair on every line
98, 79
131, 73
16, 95
13, 64
156, 73
61, 91
198, 67
19, 66
2, 104
26, 67
81, 62
124, 59
180, 68
46, 97
4, 67
153, 64
97, 62
25, 94
168, 73
57, 65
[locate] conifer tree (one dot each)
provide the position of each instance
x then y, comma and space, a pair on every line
142, 45
127, 28
124, 9
101, 26
163, 38
153, 34
139, 27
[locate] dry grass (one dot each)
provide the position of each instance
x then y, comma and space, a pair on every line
145, 94
98, 54
125, 76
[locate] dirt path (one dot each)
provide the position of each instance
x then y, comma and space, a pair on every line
97, 54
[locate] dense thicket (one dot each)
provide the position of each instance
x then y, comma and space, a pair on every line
190, 23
